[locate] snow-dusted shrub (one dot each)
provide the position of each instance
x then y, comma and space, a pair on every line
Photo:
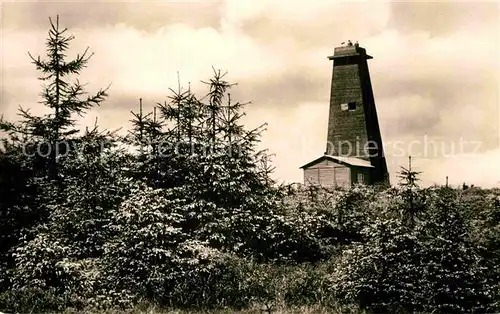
312, 223
153, 257
431, 265
46, 279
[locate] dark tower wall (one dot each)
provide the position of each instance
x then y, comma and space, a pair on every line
353, 123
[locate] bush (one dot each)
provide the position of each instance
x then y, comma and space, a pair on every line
46, 279
152, 257
429, 266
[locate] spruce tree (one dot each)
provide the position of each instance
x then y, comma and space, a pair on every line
61, 209
145, 138
65, 98
409, 185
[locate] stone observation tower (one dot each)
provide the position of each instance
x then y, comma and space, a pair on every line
354, 151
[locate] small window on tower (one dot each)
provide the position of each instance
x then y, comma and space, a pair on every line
351, 106
344, 107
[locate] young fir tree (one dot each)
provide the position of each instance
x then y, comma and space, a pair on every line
64, 97
183, 140
228, 174
53, 137
71, 215
40, 142
408, 183
146, 138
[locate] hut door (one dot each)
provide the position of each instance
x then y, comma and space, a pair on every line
361, 178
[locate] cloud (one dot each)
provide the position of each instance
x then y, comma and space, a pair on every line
322, 23
441, 18
140, 62
441, 87
295, 136
285, 90
23, 15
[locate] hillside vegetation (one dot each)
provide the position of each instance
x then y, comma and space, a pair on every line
182, 213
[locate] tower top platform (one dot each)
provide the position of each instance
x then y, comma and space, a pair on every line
349, 51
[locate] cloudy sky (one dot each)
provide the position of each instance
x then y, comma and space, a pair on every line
435, 71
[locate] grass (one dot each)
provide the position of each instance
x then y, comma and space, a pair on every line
151, 309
